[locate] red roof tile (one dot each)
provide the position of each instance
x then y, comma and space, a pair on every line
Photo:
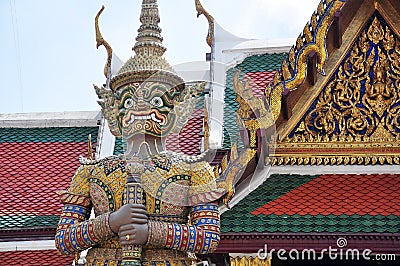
188, 141
340, 194
34, 258
31, 173
259, 81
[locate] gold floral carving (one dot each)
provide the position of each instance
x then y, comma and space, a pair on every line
252, 125
246, 261
356, 117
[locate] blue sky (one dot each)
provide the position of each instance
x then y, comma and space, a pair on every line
49, 58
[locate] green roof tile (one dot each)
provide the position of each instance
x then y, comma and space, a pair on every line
119, 146
11, 221
49, 134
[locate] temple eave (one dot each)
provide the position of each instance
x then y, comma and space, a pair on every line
253, 242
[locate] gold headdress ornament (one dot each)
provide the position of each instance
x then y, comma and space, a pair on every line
201, 11
100, 41
148, 62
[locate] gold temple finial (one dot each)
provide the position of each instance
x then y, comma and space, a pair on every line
201, 11
100, 41
90, 148
149, 39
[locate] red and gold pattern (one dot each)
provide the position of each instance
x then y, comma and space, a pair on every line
68, 198
199, 237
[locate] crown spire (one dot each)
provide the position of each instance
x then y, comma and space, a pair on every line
149, 39
149, 50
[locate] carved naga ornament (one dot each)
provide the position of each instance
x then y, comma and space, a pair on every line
293, 70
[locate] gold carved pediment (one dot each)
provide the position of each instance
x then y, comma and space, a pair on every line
354, 119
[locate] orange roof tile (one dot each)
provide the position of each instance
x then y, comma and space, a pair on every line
34, 258
259, 81
188, 141
31, 173
340, 194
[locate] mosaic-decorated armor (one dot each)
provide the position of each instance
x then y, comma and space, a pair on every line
174, 230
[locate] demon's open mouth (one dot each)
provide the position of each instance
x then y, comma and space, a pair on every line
154, 115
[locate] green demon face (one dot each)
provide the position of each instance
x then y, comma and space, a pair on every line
151, 108
146, 108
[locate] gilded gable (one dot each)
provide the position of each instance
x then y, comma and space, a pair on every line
355, 117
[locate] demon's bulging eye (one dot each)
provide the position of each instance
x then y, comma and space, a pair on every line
128, 103
157, 101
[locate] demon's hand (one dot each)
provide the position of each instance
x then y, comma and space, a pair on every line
129, 214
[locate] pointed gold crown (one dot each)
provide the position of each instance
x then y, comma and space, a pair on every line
148, 63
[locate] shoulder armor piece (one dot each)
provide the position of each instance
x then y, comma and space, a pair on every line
87, 161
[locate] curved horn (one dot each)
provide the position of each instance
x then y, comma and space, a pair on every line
100, 41
201, 11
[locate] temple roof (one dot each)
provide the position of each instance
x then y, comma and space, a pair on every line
304, 206
34, 257
329, 203
188, 141
37, 163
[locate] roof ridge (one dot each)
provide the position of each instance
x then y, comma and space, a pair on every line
50, 119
